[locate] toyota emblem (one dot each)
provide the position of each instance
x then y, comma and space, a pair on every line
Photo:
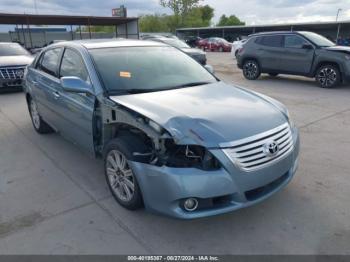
271, 148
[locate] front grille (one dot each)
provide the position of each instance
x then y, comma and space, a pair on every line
11, 72
250, 153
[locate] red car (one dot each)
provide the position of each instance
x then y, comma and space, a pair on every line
215, 44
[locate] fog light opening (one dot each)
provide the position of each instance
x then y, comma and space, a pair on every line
191, 204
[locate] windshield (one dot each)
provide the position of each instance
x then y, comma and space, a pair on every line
175, 43
146, 69
12, 49
317, 39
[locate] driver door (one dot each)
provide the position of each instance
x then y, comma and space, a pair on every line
76, 109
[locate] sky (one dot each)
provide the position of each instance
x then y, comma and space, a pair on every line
250, 11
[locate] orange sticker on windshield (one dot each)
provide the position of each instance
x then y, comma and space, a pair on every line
124, 74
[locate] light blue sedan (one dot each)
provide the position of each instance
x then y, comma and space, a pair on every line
173, 137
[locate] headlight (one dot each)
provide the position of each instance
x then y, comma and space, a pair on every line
190, 156
155, 126
290, 120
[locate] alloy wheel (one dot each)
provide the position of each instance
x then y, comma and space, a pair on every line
327, 77
250, 70
34, 114
120, 176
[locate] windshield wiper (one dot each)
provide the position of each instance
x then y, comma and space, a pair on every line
140, 91
190, 84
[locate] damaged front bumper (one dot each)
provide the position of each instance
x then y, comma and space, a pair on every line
164, 189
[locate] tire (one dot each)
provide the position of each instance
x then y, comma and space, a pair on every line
273, 74
39, 124
120, 177
251, 69
328, 76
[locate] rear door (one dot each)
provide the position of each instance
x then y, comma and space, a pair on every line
296, 58
269, 51
44, 82
76, 110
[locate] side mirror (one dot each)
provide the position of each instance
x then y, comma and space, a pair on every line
307, 46
75, 84
209, 68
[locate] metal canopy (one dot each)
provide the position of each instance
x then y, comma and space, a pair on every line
31, 19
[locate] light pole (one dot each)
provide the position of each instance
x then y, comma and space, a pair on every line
336, 19
339, 10
35, 7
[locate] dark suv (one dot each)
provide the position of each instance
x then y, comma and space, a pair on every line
296, 53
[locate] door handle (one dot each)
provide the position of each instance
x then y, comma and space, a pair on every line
56, 94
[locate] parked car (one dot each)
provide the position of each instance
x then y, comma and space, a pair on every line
296, 53
173, 137
215, 44
13, 60
151, 36
192, 41
236, 45
195, 53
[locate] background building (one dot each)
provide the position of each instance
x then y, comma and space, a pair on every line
230, 33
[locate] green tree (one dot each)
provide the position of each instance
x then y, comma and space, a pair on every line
154, 23
207, 13
228, 21
181, 8
97, 28
199, 16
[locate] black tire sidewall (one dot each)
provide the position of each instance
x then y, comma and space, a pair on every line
336, 83
44, 128
256, 76
120, 144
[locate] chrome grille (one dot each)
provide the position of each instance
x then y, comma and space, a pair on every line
11, 73
250, 153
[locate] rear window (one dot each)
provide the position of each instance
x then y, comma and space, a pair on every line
49, 61
271, 40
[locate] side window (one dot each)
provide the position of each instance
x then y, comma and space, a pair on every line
38, 61
73, 65
294, 41
271, 40
49, 61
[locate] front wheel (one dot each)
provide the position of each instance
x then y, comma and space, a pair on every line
120, 177
251, 69
328, 76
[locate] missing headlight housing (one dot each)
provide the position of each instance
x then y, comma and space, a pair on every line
190, 156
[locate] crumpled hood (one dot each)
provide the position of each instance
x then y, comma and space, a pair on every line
207, 115
17, 60
345, 49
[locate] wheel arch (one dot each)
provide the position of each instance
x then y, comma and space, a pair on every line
245, 59
327, 62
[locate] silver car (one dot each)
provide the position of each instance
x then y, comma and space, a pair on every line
13, 60
173, 137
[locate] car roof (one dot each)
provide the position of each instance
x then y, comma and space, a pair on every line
108, 43
274, 33
6, 43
